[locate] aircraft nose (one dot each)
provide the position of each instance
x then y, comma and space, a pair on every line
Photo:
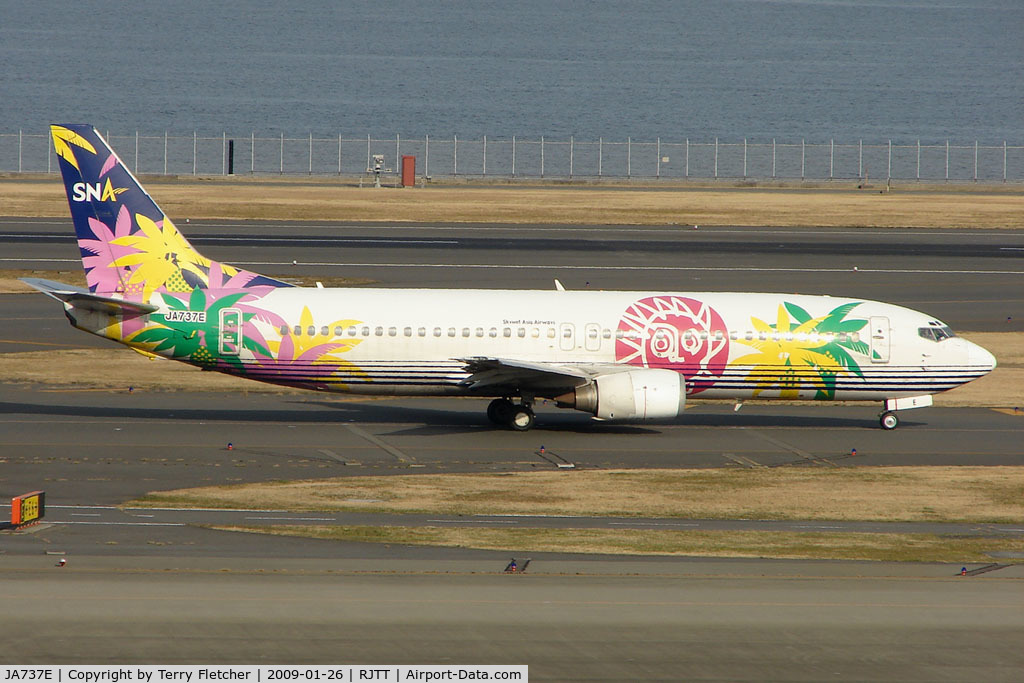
979, 356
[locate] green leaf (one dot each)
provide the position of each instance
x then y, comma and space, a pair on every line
798, 313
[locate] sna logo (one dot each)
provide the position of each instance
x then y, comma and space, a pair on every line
87, 192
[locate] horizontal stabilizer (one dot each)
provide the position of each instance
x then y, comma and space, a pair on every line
82, 298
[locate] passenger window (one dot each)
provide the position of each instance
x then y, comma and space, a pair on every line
749, 336
465, 331
392, 331
718, 335
855, 337
437, 331
421, 332
493, 332
311, 331
366, 331
606, 334
451, 331
325, 331
479, 331
535, 333
521, 332
379, 331
506, 332
351, 331
284, 330
734, 335
551, 333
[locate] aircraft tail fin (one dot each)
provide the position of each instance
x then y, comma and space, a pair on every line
129, 246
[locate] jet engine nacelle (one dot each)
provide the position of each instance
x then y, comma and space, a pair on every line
632, 395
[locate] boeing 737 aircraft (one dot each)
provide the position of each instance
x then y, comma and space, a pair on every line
616, 355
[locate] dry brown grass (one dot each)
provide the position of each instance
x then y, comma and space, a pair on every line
240, 198
932, 494
773, 544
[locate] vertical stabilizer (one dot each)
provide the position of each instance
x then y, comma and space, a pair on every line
129, 247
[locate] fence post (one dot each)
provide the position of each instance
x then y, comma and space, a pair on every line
281, 168
224, 153
49, 158
135, 168
310, 152
165, 152
687, 173
975, 161
1004, 161
888, 173
455, 155
919, 159
339, 153
803, 156
831, 157
860, 159
19, 149
398, 156
252, 152
744, 157
541, 156
426, 154
571, 152
629, 157
195, 142
773, 158
513, 156
485, 155
600, 156
716, 158
658, 172
947, 160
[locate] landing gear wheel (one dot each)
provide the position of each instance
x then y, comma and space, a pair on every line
888, 420
499, 411
522, 419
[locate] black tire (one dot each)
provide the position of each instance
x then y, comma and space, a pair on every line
499, 411
889, 421
521, 419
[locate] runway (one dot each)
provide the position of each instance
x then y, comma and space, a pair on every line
969, 278
147, 590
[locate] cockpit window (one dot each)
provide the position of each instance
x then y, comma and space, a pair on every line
937, 333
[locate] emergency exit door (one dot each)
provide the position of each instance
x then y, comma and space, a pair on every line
230, 332
880, 339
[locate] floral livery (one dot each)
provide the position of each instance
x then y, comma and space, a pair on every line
128, 245
798, 350
676, 333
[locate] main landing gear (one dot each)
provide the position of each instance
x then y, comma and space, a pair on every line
505, 413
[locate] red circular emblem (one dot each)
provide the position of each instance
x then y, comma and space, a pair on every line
675, 333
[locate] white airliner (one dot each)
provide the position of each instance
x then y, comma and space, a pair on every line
616, 355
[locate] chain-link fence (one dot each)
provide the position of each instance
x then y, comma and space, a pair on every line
530, 158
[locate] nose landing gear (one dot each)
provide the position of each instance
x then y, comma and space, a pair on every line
505, 413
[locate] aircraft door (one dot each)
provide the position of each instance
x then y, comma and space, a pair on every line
593, 337
567, 337
230, 332
879, 339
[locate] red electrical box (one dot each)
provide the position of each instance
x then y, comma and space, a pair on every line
408, 170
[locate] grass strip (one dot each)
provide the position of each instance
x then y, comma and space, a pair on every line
760, 544
887, 494
835, 205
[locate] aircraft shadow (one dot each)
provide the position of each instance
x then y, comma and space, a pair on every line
427, 421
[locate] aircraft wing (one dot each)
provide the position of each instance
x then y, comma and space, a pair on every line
515, 375
81, 298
